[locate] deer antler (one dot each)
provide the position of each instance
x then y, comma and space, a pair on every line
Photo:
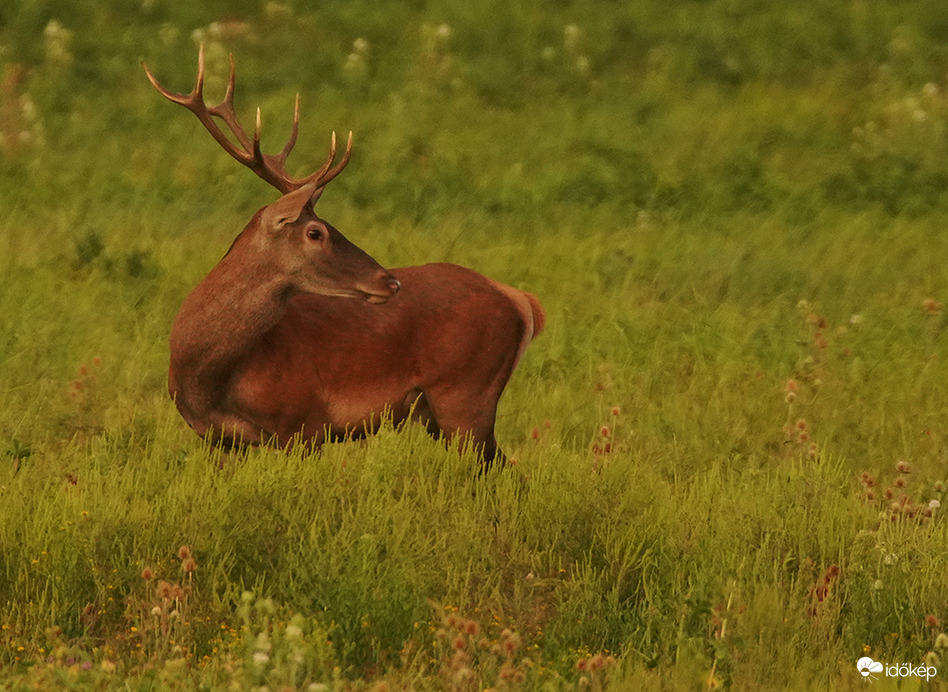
271, 168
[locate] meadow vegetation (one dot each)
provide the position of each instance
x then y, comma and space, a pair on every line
729, 448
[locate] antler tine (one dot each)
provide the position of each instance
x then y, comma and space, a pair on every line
327, 172
199, 81
342, 162
184, 99
291, 142
226, 112
257, 154
325, 167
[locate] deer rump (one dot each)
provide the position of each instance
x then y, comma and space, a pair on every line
334, 366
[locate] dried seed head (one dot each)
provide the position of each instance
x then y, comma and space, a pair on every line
184, 552
459, 659
147, 573
511, 644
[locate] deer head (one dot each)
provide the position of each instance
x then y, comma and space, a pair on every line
287, 237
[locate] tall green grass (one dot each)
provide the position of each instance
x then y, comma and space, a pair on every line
728, 444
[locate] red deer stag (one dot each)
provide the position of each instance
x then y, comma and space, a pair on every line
297, 334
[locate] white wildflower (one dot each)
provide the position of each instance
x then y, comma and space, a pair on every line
277, 10
582, 65
263, 642
571, 35
57, 39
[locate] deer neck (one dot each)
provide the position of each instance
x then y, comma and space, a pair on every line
220, 322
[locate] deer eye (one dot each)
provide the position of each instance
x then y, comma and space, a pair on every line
315, 234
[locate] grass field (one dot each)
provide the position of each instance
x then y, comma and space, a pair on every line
730, 442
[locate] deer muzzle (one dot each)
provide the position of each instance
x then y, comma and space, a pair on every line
390, 290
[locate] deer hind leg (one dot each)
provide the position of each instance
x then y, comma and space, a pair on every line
416, 409
463, 416
466, 409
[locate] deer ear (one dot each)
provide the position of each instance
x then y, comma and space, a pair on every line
288, 208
